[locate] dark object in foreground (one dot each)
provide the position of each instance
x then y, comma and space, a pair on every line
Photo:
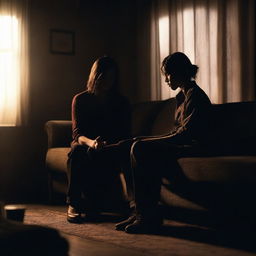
19, 239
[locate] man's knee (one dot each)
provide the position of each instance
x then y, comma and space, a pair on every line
139, 149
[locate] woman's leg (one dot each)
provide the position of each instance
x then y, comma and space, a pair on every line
108, 163
92, 173
88, 171
77, 162
76, 165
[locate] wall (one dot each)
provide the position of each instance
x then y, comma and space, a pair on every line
101, 27
143, 47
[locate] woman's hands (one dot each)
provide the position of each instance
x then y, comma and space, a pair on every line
96, 144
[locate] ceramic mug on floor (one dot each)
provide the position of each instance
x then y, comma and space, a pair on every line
15, 212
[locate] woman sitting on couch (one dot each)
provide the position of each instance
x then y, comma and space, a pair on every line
100, 116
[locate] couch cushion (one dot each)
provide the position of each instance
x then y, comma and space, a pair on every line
56, 159
176, 200
222, 184
226, 169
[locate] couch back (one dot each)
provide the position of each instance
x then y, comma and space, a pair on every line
233, 122
153, 117
148, 118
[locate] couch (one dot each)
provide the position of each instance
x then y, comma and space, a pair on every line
223, 183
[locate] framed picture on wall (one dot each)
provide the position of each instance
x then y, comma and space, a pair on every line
62, 42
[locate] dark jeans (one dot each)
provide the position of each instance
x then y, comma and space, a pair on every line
151, 160
93, 175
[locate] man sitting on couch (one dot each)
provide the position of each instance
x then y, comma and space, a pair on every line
155, 157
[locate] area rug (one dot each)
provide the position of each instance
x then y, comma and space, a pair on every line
175, 238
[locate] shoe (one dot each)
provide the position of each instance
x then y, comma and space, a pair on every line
144, 225
122, 225
74, 215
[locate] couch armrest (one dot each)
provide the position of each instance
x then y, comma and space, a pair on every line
59, 133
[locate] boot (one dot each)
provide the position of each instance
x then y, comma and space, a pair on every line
122, 225
144, 224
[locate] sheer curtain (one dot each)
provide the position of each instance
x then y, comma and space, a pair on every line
14, 62
218, 36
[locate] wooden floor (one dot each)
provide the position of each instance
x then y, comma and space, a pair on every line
90, 247
86, 247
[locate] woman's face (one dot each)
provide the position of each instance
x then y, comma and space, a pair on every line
104, 81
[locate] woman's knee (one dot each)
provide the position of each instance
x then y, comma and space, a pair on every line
79, 148
78, 151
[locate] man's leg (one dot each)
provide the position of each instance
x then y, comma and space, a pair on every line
150, 159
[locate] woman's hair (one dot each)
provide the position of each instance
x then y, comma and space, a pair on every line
179, 64
100, 67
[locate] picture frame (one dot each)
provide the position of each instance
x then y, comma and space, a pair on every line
62, 42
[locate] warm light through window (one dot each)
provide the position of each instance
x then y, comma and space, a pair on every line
164, 51
193, 31
9, 70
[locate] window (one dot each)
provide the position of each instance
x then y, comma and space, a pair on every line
187, 29
218, 36
14, 62
9, 70
164, 50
